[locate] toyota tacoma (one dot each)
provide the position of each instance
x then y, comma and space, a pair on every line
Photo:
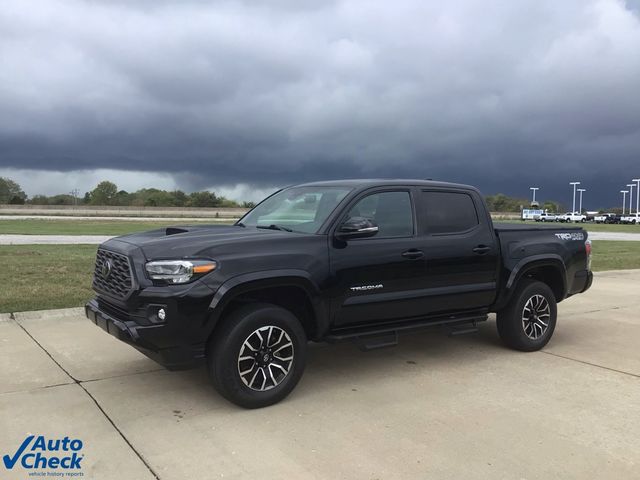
351, 260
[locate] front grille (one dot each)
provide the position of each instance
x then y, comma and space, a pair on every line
112, 274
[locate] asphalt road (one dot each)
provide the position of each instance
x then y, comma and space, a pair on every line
97, 239
53, 239
58, 211
54, 218
623, 236
432, 407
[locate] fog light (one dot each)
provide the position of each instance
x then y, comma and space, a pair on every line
162, 314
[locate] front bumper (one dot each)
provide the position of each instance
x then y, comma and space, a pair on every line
149, 340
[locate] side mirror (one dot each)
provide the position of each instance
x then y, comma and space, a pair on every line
357, 227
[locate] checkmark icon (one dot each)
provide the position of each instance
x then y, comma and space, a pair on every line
10, 462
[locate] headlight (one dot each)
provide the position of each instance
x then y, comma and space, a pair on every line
179, 271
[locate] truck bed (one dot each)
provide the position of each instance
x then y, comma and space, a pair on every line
560, 245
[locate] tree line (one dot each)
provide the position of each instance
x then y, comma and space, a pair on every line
503, 203
107, 194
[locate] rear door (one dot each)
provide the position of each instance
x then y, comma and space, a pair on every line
461, 251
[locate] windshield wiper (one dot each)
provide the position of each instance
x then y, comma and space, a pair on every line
273, 226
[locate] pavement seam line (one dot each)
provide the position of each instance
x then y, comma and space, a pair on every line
138, 454
46, 352
591, 364
122, 375
79, 383
12, 392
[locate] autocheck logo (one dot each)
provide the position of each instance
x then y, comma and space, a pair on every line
37, 452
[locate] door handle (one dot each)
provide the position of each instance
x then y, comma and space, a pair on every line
413, 254
481, 249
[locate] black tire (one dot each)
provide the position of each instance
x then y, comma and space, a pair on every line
228, 343
528, 335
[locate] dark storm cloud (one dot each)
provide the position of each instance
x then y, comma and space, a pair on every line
499, 94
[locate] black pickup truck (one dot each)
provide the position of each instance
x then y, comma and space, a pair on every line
358, 260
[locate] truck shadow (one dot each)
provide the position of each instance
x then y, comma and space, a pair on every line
343, 366
427, 347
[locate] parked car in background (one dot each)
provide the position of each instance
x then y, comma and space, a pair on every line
630, 219
604, 217
570, 217
530, 214
546, 217
612, 219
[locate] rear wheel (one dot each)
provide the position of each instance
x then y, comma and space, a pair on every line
257, 356
528, 321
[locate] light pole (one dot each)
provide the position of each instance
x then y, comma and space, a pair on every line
624, 199
637, 198
631, 187
533, 189
581, 190
573, 210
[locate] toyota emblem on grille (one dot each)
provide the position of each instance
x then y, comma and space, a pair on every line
106, 268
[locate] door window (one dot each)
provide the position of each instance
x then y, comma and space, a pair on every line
391, 211
447, 212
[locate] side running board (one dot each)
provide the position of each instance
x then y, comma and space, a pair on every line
387, 336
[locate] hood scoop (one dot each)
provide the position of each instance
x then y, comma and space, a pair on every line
176, 230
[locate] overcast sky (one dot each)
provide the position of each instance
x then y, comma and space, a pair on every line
246, 96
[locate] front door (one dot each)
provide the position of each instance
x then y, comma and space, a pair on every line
374, 277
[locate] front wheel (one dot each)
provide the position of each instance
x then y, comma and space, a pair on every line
528, 321
257, 356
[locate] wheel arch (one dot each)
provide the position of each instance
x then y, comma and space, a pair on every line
548, 269
290, 289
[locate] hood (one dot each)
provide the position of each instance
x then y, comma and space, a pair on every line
189, 241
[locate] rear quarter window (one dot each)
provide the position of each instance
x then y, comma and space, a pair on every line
447, 212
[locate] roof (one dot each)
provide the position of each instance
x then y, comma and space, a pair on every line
378, 182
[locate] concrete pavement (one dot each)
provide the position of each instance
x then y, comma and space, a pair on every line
433, 407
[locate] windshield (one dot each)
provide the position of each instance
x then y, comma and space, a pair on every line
299, 209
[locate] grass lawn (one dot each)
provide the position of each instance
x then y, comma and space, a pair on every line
611, 255
36, 277
603, 227
90, 227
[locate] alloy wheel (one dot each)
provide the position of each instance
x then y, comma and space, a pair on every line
535, 317
265, 358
